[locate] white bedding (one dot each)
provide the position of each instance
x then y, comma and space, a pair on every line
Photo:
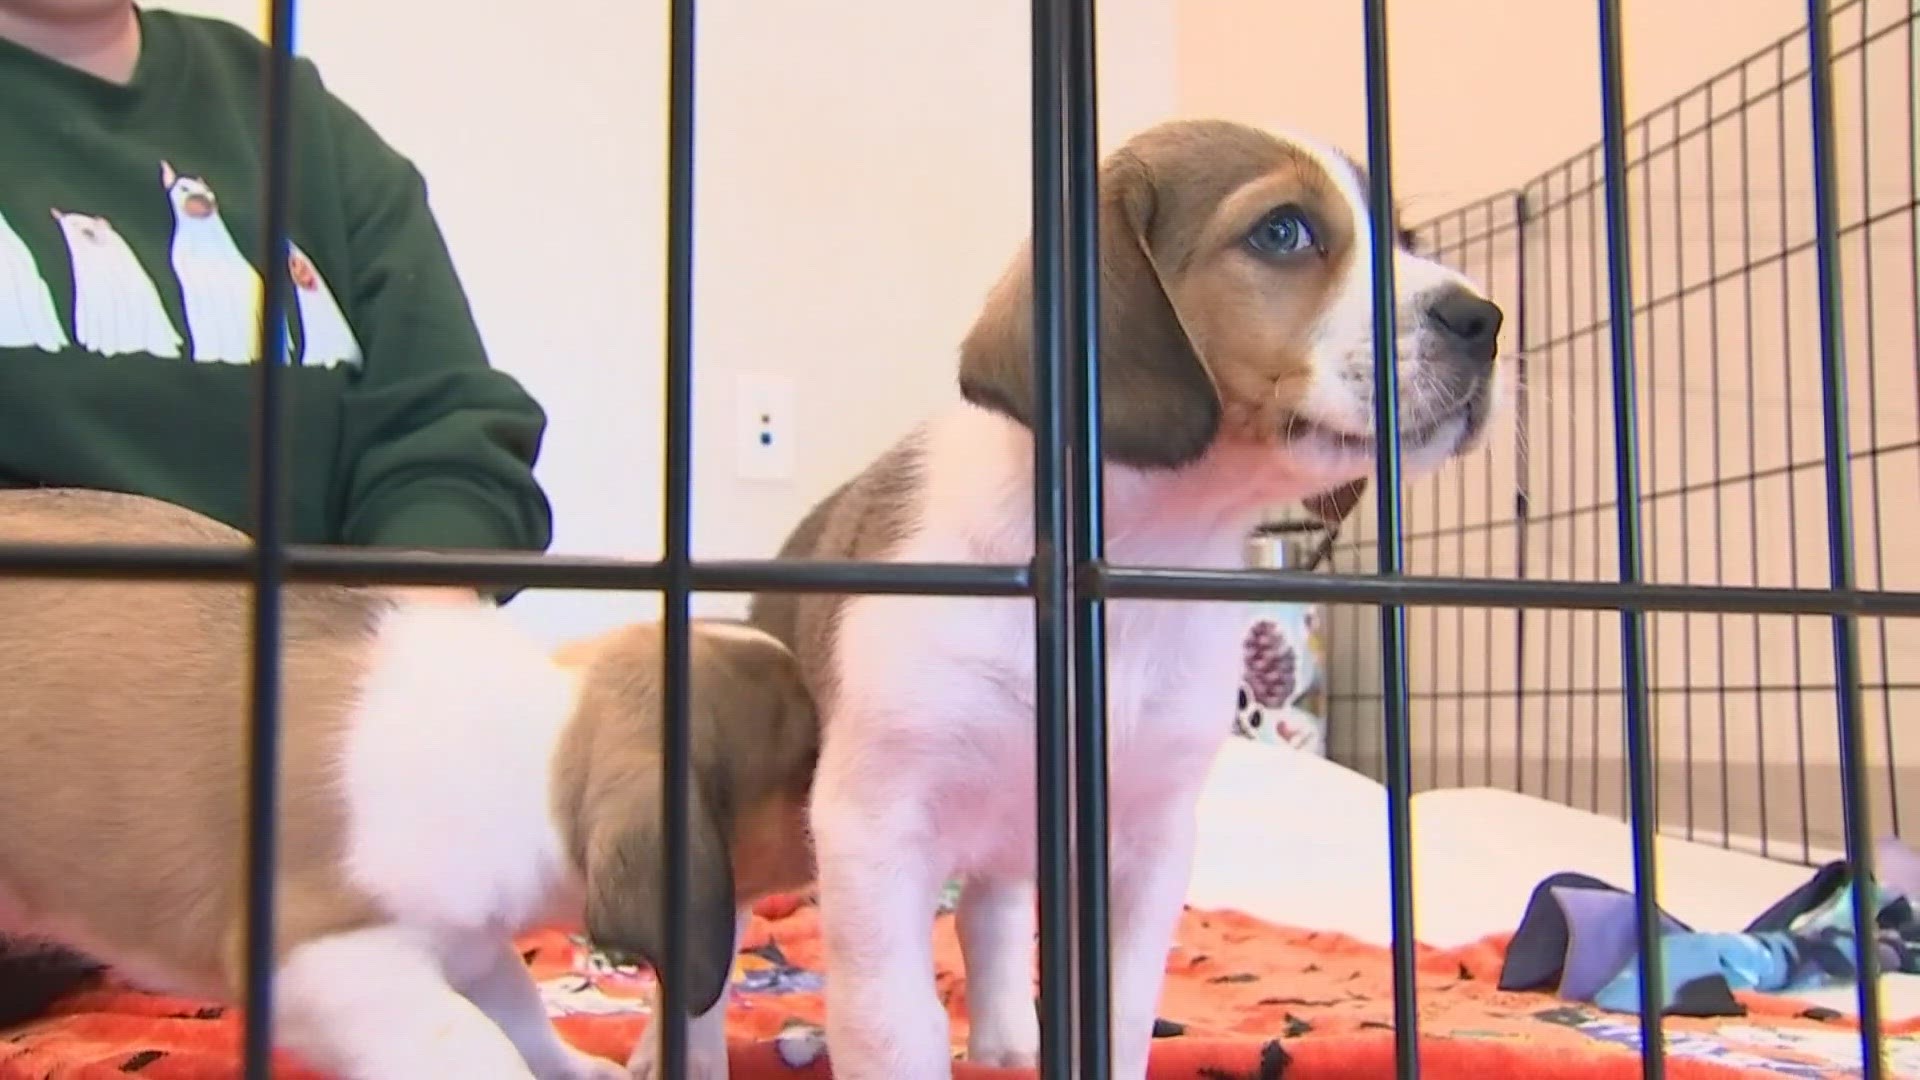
1299, 840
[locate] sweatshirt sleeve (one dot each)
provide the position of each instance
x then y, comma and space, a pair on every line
438, 447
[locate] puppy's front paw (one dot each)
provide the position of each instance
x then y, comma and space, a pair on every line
1007, 1059
1005, 1039
580, 1065
996, 1052
706, 1060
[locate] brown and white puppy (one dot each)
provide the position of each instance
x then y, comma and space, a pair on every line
445, 784
1237, 376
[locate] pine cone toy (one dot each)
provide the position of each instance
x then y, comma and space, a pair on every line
1270, 665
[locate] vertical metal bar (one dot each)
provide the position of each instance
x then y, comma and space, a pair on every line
1461, 530
1573, 473
1552, 397
1753, 448
1870, 334
1486, 515
270, 542
1840, 553
1393, 619
1650, 508
1787, 304
675, 752
1913, 301
1430, 617
1633, 645
1597, 369
1052, 562
1340, 693
1718, 467
1682, 494
1087, 539
1523, 481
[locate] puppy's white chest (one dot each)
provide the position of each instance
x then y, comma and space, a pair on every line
944, 687
1161, 658
955, 688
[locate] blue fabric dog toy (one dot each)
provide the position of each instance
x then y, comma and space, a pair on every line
1577, 938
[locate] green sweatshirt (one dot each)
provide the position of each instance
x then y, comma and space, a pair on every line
130, 242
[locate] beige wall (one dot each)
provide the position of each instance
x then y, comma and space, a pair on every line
1485, 94
1488, 97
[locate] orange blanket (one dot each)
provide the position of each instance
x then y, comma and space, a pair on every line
1244, 999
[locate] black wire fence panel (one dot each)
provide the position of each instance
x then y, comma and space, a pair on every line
1726, 332
1724, 335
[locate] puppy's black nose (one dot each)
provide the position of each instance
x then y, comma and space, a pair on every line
1473, 323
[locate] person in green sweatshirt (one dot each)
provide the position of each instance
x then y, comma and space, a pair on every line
130, 219
130, 234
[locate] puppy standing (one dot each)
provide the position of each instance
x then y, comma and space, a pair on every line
1237, 376
444, 786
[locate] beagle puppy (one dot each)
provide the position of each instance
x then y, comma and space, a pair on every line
1237, 376
445, 784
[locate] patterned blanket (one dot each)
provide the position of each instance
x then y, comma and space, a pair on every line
1244, 999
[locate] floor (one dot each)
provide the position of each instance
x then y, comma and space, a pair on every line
1298, 840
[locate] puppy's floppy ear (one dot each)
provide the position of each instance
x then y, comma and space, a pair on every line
1159, 406
626, 889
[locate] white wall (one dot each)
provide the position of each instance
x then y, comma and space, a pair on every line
863, 176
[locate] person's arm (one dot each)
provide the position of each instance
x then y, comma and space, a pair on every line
438, 447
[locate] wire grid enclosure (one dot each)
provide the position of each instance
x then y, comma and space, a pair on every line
1545, 255
1726, 329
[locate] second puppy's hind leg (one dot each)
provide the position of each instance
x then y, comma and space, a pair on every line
374, 1004
706, 1033
497, 982
996, 924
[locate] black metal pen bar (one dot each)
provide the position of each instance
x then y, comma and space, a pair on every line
1566, 693
1628, 538
1070, 580
1422, 591
1388, 545
270, 515
1086, 541
508, 570
677, 546
1053, 565
359, 566
1857, 825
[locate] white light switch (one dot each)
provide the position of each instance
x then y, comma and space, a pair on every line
763, 425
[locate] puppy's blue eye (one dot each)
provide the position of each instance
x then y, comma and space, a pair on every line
1283, 232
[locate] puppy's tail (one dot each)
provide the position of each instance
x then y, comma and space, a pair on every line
34, 974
